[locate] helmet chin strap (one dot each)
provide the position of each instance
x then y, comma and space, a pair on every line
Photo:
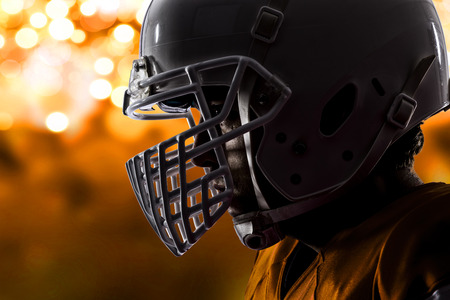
259, 229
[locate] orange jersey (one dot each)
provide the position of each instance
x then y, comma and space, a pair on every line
402, 252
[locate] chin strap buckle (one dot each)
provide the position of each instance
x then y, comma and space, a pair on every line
402, 110
267, 24
404, 105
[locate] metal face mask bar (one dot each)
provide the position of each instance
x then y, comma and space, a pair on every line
180, 203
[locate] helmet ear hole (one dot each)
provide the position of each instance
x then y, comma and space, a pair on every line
337, 110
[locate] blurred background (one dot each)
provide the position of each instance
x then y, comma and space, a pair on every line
70, 226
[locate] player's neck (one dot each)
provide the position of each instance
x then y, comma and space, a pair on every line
377, 191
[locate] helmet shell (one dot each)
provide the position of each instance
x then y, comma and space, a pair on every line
324, 51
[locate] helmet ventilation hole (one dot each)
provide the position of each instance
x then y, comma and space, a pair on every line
299, 148
347, 155
281, 137
296, 179
337, 110
378, 87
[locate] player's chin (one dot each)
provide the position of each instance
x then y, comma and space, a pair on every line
243, 202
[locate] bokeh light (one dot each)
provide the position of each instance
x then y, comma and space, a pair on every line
117, 95
104, 66
124, 33
109, 6
61, 29
78, 36
140, 15
57, 9
26, 38
38, 20
70, 3
28, 3
10, 68
71, 226
57, 122
100, 89
12, 7
88, 8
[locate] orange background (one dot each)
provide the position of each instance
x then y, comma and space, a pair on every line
70, 226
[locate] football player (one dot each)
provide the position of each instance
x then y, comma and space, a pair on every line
304, 118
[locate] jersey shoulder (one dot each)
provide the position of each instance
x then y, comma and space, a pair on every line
415, 258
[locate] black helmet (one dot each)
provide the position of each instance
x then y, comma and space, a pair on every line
329, 85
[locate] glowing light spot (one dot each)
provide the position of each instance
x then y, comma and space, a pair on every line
117, 96
28, 4
61, 29
6, 121
2, 41
88, 8
109, 6
26, 38
100, 89
142, 11
10, 68
124, 33
57, 9
140, 16
70, 3
78, 36
38, 20
104, 66
12, 7
57, 122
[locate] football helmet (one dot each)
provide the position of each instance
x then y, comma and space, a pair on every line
322, 87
